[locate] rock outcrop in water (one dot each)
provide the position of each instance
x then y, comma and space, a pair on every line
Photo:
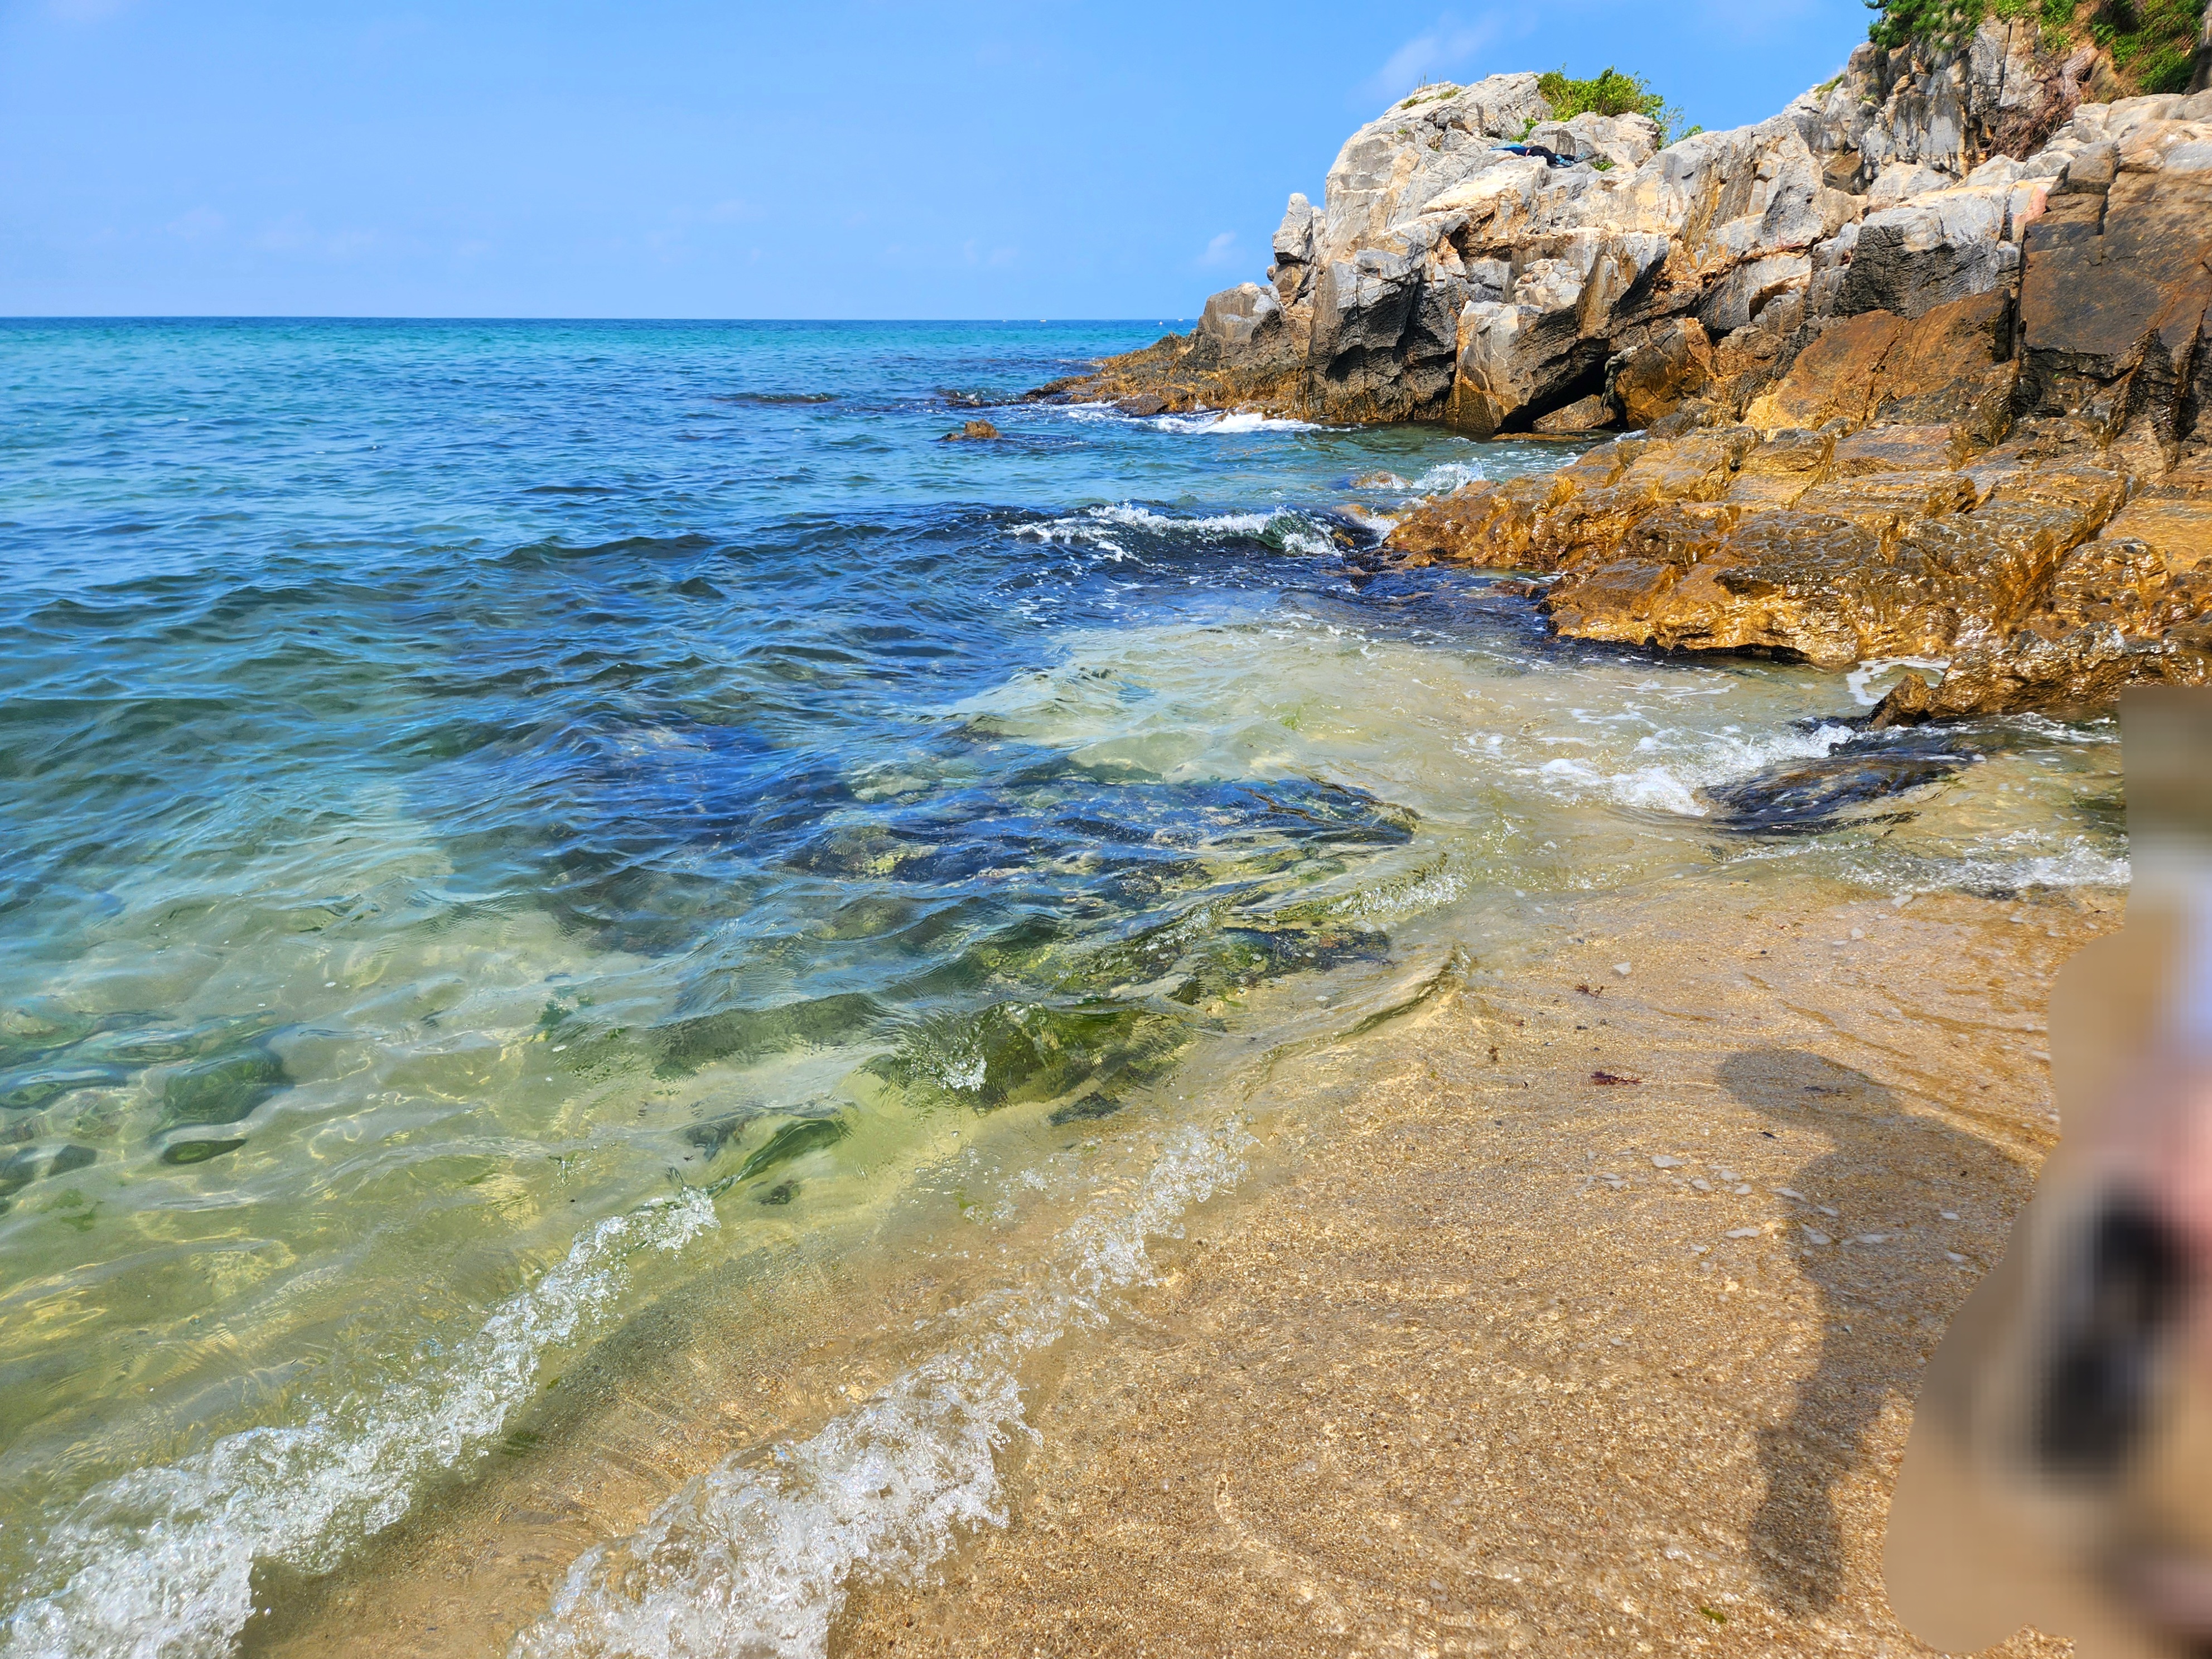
2016, 479
1922, 366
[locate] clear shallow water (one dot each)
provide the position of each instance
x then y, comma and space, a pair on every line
503, 818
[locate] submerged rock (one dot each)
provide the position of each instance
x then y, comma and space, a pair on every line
972, 431
28, 1090
181, 1152
795, 1140
738, 1036
23, 1166
221, 1090
70, 1159
1806, 797
713, 1134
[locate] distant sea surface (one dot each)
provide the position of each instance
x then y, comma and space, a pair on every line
505, 822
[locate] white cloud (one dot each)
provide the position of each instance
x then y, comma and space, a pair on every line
1220, 251
1447, 45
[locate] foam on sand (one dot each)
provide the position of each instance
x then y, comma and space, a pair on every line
754, 1557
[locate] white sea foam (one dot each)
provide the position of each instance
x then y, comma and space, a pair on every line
1098, 526
1374, 521
965, 1071
755, 1559
1428, 890
1658, 790
1447, 476
1214, 422
158, 1564
1219, 524
2021, 860
2076, 865
1684, 763
1863, 678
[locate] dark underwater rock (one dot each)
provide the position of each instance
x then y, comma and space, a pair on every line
27, 1090
714, 1133
185, 1152
1805, 797
70, 1159
795, 1140
223, 1089
739, 1035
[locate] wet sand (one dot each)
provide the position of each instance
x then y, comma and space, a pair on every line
1462, 1370
1456, 1369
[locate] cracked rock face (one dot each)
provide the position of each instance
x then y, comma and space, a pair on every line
1445, 277
1921, 368
2050, 568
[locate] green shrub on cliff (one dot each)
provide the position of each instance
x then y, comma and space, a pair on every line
1607, 93
2151, 42
2154, 42
1611, 93
1941, 23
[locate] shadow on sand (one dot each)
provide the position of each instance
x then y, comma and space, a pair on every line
1883, 1303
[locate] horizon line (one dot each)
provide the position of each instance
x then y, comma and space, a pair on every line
426, 316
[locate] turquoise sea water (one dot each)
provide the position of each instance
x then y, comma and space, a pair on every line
501, 818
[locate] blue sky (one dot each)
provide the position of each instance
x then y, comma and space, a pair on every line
834, 158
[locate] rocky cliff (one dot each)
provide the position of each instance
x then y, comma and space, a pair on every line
1919, 367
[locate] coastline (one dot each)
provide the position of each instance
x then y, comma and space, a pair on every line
1367, 980
1344, 780
1432, 1386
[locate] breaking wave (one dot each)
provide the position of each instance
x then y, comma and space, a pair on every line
1219, 424
756, 1559
1670, 782
1284, 529
159, 1564
1446, 477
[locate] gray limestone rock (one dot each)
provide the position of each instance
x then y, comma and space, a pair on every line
1745, 291
1442, 277
1361, 306
1619, 141
1419, 150
1922, 252
1236, 314
1292, 273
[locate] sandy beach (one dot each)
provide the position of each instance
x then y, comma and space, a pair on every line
1500, 1358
